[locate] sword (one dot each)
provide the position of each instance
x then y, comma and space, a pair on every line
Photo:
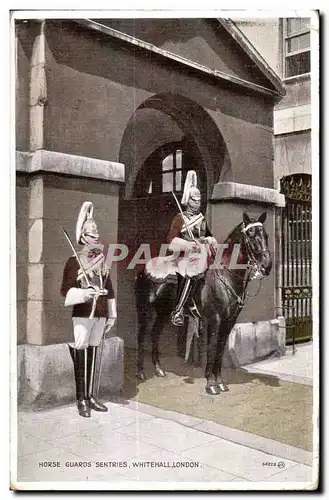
189, 230
83, 272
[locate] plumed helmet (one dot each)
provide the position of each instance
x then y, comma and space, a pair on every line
86, 213
190, 187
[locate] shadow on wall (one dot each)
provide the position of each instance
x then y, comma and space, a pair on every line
130, 67
203, 40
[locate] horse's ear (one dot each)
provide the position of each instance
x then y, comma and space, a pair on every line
262, 218
246, 219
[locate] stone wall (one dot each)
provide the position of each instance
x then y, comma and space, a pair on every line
22, 253
90, 101
47, 377
250, 342
48, 201
228, 203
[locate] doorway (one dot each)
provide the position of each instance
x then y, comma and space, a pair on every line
163, 173
164, 138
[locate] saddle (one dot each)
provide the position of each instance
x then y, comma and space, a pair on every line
161, 269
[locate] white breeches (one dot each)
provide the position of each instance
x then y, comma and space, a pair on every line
87, 332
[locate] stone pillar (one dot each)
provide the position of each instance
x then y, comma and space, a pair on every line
56, 185
22, 254
38, 90
35, 292
55, 201
258, 331
278, 260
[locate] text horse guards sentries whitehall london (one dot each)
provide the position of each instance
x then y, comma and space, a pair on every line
211, 290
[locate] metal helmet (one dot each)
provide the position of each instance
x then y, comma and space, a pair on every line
190, 188
85, 214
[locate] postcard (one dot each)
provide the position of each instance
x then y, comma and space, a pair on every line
165, 330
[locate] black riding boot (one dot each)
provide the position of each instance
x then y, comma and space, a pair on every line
177, 316
93, 402
79, 358
72, 352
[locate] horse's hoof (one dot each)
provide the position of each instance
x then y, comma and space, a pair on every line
222, 386
213, 390
159, 372
140, 375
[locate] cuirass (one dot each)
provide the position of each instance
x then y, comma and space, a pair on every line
198, 229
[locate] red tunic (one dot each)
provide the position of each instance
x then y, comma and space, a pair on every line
199, 230
192, 264
83, 310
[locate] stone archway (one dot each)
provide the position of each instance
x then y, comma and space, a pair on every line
179, 116
162, 125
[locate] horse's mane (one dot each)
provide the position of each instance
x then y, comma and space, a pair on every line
232, 238
235, 234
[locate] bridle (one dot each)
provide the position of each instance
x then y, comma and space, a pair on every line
252, 256
252, 263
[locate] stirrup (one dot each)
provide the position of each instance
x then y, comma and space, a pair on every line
177, 318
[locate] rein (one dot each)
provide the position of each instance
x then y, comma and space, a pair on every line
252, 261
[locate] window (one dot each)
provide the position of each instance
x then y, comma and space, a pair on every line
163, 172
297, 42
172, 172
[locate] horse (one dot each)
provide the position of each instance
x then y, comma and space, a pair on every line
221, 295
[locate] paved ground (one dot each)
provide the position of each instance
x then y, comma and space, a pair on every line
137, 446
293, 367
269, 405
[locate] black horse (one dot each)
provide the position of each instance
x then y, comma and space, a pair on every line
220, 298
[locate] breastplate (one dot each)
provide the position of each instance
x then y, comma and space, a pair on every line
198, 229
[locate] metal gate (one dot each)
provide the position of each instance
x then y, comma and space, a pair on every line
297, 257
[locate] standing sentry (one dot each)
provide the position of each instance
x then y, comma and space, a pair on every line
87, 286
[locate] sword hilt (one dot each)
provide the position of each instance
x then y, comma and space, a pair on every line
100, 292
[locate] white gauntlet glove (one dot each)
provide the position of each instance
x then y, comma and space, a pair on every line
112, 308
76, 296
80, 295
109, 324
209, 240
